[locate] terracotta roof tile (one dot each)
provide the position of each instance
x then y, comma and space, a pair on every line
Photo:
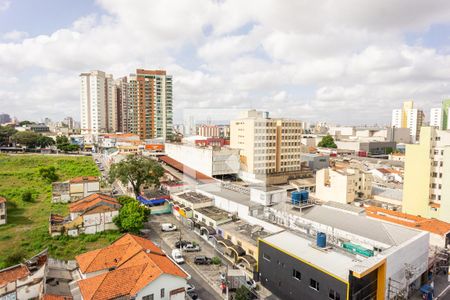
185, 169
82, 179
2, 200
91, 201
139, 262
430, 225
12, 274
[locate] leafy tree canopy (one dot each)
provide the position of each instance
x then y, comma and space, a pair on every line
48, 174
25, 123
242, 293
132, 217
26, 138
137, 171
5, 133
327, 142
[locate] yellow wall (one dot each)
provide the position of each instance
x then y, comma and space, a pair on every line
444, 211
416, 188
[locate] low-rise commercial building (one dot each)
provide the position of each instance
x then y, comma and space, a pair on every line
211, 161
316, 161
343, 185
130, 268
369, 148
337, 252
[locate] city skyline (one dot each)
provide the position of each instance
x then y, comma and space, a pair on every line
360, 59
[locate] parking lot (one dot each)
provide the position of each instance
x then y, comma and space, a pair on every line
211, 272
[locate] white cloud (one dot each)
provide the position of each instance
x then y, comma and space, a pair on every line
4, 5
330, 60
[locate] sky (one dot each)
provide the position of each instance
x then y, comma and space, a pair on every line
342, 62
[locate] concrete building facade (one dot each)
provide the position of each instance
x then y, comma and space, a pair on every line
409, 117
425, 192
266, 145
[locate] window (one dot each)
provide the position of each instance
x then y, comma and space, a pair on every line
333, 295
296, 274
162, 293
266, 257
314, 284
148, 297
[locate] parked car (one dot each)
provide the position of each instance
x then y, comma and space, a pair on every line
202, 260
193, 295
177, 256
168, 227
192, 248
181, 243
190, 287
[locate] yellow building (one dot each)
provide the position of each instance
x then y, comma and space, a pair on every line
427, 168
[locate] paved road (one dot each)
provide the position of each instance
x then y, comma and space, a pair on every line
204, 291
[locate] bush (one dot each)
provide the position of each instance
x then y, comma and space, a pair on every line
216, 260
125, 199
15, 258
48, 174
27, 196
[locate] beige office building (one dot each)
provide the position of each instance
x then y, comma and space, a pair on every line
267, 146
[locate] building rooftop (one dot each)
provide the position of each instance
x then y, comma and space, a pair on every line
136, 262
345, 207
214, 213
430, 225
266, 188
93, 201
335, 262
2, 200
83, 179
245, 231
194, 197
232, 195
386, 233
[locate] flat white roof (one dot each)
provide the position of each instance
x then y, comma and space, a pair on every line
330, 261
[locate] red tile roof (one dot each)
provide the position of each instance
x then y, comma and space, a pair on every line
2, 200
12, 274
185, 169
136, 262
430, 225
82, 179
92, 201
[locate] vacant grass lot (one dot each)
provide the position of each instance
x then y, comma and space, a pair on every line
26, 232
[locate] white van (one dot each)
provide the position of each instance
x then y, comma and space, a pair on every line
168, 227
177, 256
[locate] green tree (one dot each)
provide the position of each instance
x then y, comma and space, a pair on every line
242, 293
389, 150
63, 144
62, 140
327, 142
6, 132
48, 174
137, 171
132, 217
125, 199
26, 138
44, 141
25, 123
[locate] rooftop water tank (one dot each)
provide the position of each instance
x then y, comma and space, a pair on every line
321, 240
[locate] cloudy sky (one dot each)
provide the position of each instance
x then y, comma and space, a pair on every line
344, 62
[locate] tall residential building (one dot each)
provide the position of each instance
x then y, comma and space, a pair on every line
426, 191
436, 117
4, 118
408, 117
150, 112
98, 105
266, 145
121, 86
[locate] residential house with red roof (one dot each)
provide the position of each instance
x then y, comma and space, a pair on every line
131, 267
89, 215
25, 280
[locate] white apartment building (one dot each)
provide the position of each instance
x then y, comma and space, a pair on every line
409, 117
266, 145
343, 185
208, 130
98, 103
436, 117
